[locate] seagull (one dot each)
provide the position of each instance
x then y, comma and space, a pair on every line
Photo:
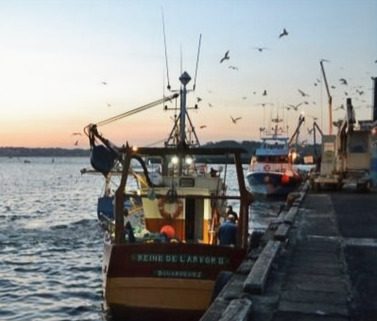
295, 107
76, 134
203, 126
104, 83
226, 57
343, 81
233, 67
264, 93
198, 99
360, 92
234, 120
284, 33
303, 94
260, 49
265, 104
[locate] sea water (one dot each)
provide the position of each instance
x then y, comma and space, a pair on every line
50, 241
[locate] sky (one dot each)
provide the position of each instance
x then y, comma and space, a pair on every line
67, 63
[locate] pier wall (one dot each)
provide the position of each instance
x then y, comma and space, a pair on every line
315, 262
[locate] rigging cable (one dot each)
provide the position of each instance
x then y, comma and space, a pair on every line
166, 49
197, 61
135, 110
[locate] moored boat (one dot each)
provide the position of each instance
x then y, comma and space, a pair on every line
271, 171
168, 268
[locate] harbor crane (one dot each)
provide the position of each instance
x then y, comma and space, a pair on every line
328, 95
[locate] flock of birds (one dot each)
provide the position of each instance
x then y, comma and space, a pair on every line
264, 93
304, 95
294, 107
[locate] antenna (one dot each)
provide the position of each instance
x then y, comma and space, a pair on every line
181, 58
166, 49
197, 61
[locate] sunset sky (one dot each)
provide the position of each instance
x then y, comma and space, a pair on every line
65, 64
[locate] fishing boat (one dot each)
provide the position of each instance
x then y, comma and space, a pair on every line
168, 269
271, 171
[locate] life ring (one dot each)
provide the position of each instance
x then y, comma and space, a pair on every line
266, 167
170, 215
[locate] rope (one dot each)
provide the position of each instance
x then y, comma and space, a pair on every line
136, 110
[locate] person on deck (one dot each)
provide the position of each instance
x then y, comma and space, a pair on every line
229, 211
227, 233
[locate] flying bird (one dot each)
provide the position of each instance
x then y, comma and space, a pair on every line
104, 83
226, 57
198, 99
76, 134
264, 93
210, 105
295, 107
284, 33
265, 104
343, 81
234, 120
303, 94
260, 49
233, 67
76, 142
203, 126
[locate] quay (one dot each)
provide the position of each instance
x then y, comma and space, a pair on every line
316, 262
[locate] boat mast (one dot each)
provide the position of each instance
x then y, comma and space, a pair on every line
178, 136
184, 79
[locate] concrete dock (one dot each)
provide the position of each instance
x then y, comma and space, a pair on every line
318, 261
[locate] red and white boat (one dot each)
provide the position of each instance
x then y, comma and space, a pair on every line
168, 270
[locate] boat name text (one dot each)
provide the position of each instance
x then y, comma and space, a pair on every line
178, 274
180, 258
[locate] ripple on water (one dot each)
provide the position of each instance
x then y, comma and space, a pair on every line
51, 244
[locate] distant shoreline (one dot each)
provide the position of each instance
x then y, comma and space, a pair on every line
43, 152
248, 146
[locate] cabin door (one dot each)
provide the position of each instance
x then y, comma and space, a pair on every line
194, 212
